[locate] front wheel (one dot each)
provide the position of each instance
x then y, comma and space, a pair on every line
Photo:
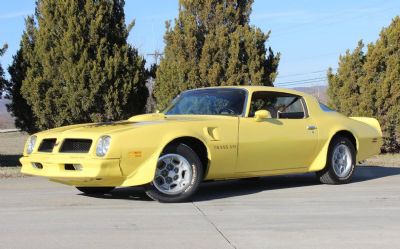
340, 163
178, 175
95, 190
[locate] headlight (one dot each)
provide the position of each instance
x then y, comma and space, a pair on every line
31, 144
103, 145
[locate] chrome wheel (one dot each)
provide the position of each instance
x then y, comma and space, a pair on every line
173, 174
342, 160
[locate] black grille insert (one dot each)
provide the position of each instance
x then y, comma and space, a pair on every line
76, 145
47, 145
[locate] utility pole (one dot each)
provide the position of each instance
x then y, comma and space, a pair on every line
151, 102
156, 55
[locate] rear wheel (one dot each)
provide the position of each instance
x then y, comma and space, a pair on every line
178, 175
340, 163
95, 190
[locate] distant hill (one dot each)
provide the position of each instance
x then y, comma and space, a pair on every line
320, 92
6, 121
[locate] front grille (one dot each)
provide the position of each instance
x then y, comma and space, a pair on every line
47, 145
76, 146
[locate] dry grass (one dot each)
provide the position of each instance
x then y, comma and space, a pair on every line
12, 143
8, 172
386, 160
11, 148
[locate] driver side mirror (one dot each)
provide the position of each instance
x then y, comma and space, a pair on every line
262, 115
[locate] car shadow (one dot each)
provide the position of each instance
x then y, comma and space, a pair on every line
232, 188
128, 193
10, 160
366, 173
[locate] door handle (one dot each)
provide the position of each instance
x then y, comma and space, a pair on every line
311, 127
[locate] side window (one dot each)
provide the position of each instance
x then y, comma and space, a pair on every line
325, 108
280, 105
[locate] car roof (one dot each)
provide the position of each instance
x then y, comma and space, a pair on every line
252, 89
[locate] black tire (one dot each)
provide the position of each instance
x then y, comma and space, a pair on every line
95, 190
197, 176
328, 175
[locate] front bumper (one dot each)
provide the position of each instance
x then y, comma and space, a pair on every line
94, 172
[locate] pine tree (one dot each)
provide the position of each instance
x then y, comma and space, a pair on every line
3, 81
344, 86
369, 85
334, 86
212, 44
81, 68
381, 84
22, 112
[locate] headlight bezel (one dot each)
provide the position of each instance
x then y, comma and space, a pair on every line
31, 144
103, 146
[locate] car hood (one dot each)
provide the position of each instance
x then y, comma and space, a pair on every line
108, 128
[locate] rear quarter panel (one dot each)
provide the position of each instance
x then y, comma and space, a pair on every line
366, 131
369, 136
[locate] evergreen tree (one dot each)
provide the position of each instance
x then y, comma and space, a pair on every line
3, 81
212, 44
334, 85
381, 84
18, 108
81, 68
369, 85
151, 71
344, 86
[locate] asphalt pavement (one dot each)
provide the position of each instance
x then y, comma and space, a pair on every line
273, 212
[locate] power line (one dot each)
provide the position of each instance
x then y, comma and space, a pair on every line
156, 55
303, 84
300, 74
302, 81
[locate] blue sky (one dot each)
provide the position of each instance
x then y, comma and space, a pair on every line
310, 34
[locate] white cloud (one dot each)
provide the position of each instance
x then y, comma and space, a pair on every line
12, 15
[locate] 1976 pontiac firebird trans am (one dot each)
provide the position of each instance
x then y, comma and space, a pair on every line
206, 134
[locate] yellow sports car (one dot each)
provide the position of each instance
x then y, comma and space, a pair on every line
206, 134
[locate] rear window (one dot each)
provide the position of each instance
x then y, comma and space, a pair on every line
325, 108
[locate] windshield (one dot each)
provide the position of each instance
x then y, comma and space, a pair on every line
209, 102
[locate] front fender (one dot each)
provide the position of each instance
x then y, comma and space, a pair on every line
139, 163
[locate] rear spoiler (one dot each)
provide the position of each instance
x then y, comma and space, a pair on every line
371, 122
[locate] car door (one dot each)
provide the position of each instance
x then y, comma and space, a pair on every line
286, 140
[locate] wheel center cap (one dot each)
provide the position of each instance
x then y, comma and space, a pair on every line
171, 173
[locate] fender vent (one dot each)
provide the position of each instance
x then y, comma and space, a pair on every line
76, 146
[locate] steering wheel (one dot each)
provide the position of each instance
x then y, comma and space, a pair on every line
227, 111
